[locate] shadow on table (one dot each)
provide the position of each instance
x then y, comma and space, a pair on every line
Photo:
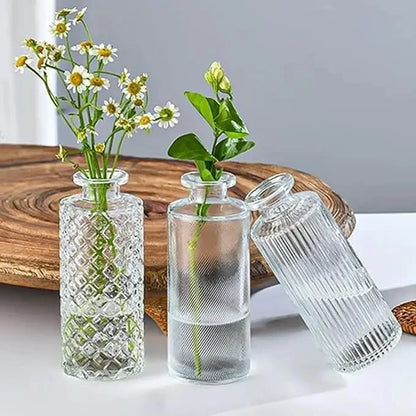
286, 364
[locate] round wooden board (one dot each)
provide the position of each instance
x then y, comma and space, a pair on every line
32, 182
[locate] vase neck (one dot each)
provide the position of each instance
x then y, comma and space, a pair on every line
101, 190
272, 196
201, 191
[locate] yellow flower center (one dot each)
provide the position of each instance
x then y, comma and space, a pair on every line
111, 108
41, 62
57, 56
97, 82
60, 28
138, 102
21, 61
166, 114
104, 52
75, 79
39, 48
134, 88
86, 44
144, 120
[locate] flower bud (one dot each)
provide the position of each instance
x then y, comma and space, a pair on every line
30, 43
225, 85
214, 75
208, 77
216, 71
99, 147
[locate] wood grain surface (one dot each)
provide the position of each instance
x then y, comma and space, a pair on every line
32, 182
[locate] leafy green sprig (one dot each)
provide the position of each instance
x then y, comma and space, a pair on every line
229, 131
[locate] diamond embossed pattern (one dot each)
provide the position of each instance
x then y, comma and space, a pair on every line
101, 256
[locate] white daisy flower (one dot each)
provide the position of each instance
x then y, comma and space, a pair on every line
98, 83
77, 19
57, 53
78, 80
60, 28
21, 62
129, 125
83, 47
104, 53
144, 121
111, 108
65, 12
167, 116
91, 130
135, 88
124, 78
137, 102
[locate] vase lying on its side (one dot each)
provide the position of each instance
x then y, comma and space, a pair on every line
101, 272
208, 292
317, 267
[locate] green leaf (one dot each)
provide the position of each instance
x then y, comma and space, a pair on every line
229, 148
229, 121
207, 107
189, 147
205, 174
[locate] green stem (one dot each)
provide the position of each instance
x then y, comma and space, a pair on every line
87, 31
55, 102
117, 154
109, 73
201, 211
68, 48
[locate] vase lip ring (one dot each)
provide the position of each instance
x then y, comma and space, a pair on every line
119, 177
270, 190
194, 180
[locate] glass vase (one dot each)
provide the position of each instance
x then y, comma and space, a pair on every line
101, 278
208, 291
317, 267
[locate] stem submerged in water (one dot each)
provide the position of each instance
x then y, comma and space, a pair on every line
201, 211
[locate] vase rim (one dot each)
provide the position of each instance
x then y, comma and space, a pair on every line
193, 180
119, 177
272, 189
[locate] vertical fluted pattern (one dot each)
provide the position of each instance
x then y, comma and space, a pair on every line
335, 295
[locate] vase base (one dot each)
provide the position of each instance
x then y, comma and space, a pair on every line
224, 373
101, 375
391, 327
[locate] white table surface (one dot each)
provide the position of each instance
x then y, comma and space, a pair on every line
289, 375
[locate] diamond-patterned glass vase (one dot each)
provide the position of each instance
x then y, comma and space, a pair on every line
208, 293
101, 277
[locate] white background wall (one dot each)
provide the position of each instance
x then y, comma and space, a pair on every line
325, 86
26, 116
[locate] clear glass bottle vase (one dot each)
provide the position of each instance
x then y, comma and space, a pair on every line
319, 270
101, 278
208, 292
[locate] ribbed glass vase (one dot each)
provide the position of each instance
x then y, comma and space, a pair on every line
208, 292
317, 267
101, 277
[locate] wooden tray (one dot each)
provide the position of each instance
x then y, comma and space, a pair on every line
32, 182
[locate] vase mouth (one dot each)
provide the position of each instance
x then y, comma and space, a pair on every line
119, 177
194, 180
269, 191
